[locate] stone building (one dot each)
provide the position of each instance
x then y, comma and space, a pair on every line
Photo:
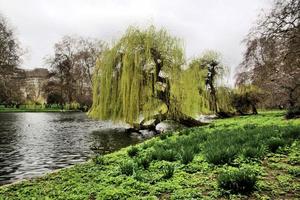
33, 84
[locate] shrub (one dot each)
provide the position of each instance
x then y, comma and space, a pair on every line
253, 151
294, 133
196, 148
274, 143
245, 98
219, 155
168, 171
295, 171
293, 113
187, 155
144, 161
249, 126
98, 159
132, 151
167, 155
163, 136
185, 132
137, 175
127, 168
238, 180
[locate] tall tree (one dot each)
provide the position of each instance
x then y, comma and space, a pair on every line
272, 58
141, 78
72, 65
10, 53
211, 63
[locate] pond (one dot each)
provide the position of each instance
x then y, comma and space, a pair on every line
32, 144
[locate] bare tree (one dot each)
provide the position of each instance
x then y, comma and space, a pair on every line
272, 58
10, 53
72, 67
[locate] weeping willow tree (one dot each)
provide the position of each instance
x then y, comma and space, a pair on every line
141, 78
219, 97
224, 101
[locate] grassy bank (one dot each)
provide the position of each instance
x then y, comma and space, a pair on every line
251, 156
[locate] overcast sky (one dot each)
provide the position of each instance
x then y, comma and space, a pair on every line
202, 24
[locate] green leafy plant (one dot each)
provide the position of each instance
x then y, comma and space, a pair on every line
133, 151
221, 155
293, 113
144, 161
127, 168
249, 126
98, 159
163, 154
274, 143
238, 180
187, 155
253, 151
295, 171
163, 136
168, 171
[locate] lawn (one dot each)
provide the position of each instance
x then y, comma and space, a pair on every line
256, 157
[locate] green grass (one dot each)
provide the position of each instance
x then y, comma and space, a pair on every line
256, 157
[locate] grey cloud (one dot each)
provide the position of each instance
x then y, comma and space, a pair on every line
202, 24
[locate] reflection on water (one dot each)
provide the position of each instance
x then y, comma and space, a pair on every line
32, 144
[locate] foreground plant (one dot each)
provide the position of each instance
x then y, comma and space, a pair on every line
168, 171
133, 151
237, 180
127, 168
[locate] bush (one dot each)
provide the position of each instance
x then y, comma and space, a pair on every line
294, 133
274, 143
98, 159
249, 126
167, 155
293, 113
219, 155
187, 156
132, 151
238, 180
168, 171
253, 151
127, 168
245, 98
295, 171
163, 136
144, 161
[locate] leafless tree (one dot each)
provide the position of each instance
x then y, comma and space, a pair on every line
72, 67
10, 53
272, 58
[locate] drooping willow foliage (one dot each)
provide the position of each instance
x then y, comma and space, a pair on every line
142, 76
224, 100
218, 96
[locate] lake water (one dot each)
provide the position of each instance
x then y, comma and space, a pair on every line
32, 144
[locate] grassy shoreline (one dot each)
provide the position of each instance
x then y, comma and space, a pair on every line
186, 165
